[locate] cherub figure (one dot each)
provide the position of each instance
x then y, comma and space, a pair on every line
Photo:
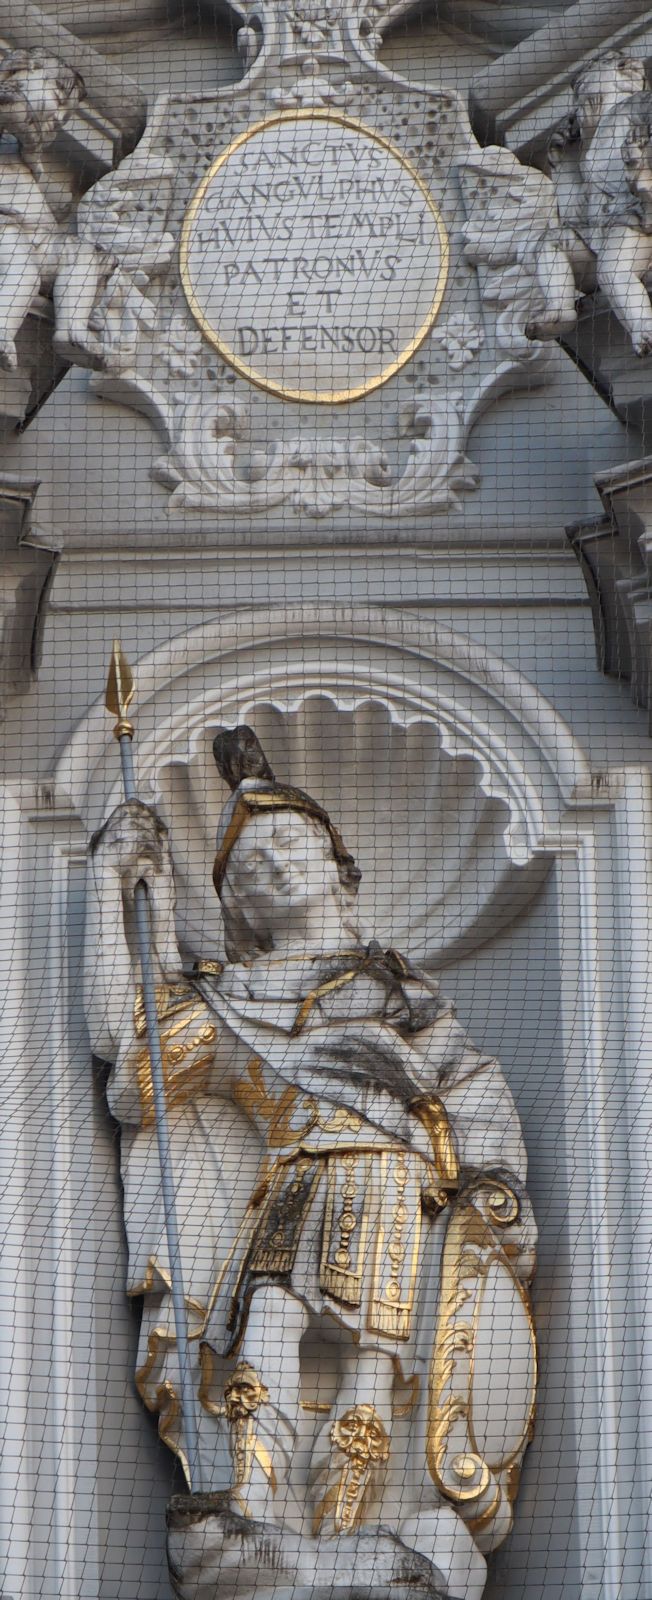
605, 200
119, 243
513, 232
38, 93
123, 218
547, 240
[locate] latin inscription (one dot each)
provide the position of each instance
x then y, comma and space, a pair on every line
313, 258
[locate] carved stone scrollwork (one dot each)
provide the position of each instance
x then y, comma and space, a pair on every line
535, 242
470, 1454
211, 462
234, 443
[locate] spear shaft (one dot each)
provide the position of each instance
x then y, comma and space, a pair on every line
119, 693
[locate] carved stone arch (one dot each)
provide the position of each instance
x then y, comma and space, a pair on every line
448, 773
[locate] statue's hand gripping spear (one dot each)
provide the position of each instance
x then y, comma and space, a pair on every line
119, 694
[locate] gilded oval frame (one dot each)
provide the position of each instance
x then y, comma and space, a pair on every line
270, 385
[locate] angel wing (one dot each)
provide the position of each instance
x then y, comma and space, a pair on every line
125, 213
509, 208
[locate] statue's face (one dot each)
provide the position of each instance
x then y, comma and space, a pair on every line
244, 1393
279, 864
612, 79
38, 89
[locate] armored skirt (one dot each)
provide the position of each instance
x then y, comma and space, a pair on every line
345, 1232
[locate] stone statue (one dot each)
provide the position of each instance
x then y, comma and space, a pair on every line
110, 249
350, 1170
605, 194
588, 225
513, 233
38, 92
123, 218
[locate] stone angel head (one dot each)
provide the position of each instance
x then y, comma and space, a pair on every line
38, 92
605, 83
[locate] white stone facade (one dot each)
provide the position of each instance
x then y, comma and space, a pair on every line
384, 588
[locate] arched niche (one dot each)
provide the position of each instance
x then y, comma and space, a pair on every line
447, 773
407, 727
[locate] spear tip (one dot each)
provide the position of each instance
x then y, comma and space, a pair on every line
119, 689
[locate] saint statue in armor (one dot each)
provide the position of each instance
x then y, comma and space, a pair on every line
350, 1177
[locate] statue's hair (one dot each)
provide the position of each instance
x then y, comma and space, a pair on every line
617, 59
243, 942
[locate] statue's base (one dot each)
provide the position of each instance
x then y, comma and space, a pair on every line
213, 1551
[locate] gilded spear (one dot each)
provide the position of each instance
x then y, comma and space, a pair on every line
119, 694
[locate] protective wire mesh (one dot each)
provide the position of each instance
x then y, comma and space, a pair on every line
319, 324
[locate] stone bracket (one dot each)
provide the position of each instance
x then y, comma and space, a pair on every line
602, 350
27, 569
615, 554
